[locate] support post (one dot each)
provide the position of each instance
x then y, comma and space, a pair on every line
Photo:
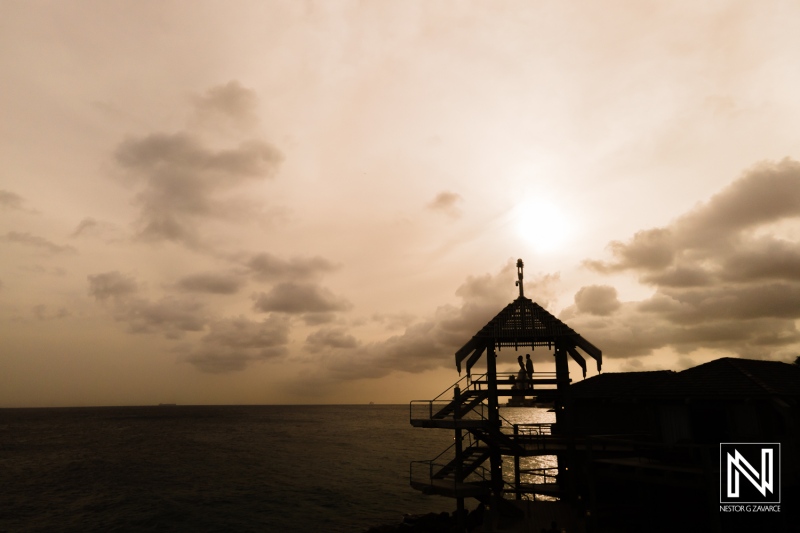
496, 460
459, 457
517, 478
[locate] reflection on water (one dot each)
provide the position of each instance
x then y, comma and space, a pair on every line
537, 469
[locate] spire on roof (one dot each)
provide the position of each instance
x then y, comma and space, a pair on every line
520, 265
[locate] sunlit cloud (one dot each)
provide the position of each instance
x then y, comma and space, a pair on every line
719, 283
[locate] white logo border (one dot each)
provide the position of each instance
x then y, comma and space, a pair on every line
721, 473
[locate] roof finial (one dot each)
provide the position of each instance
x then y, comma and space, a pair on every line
520, 265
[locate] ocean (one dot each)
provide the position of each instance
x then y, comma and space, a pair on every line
212, 468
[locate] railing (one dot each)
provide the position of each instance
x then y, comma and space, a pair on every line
426, 409
546, 380
533, 429
423, 472
543, 476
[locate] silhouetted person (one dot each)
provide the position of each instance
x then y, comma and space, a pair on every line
522, 374
529, 369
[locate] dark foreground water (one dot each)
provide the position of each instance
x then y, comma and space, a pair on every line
221, 468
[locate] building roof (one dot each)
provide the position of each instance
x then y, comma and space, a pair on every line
522, 323
622, 384
728, 377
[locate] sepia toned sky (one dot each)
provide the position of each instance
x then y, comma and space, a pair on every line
319, 202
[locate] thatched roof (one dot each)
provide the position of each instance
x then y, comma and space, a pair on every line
525, 323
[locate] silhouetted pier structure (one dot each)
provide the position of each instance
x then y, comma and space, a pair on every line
634, 451
483, 440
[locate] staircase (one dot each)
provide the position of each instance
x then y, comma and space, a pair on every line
472, 458
453, 408
467, 473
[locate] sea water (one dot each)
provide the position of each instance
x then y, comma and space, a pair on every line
212, 468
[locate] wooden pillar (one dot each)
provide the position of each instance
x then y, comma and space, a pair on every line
566, 461
491, 378
460, 522
517, 477
562, 386
495, 459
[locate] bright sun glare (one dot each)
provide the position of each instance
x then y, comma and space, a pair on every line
543, 225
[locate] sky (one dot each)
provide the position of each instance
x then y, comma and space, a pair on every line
290, 202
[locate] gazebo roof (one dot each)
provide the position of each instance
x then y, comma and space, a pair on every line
522, 323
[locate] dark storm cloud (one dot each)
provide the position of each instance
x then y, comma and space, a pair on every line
299, 298
446, 202
232, 344
184, 181
39, 243
267, 267
432, 342
211, 282
723, 279
331, 338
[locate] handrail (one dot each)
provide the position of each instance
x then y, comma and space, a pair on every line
445, 397
466, 378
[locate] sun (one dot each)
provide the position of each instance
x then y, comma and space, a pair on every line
543, 225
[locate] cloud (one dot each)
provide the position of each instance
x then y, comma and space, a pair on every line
299, 298
723, 276
267, 267
432, 342
597, 300
211, 283
40, 243
10, 200
42, 313
231, 344
169, 316
394, 320
446, 202
184, 181
227, 106
767, 193
111, 285
331, 338
95, 228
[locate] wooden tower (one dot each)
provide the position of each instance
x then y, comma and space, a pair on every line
473, 466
